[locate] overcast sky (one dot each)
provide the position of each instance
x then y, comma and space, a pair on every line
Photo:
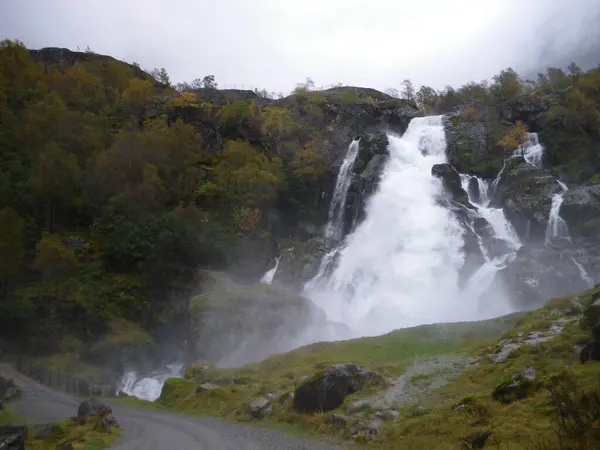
275, 44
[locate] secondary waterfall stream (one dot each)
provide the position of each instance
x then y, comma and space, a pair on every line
400, 267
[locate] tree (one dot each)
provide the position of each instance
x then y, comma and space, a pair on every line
55, 181
12, 248
161, 76
137, 91
515, 137
392, 92
507, 85
426, 99
408, 90
53, 259
208, 82
246, 177
277, 124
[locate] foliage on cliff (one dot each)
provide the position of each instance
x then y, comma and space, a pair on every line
115, 188
563, 106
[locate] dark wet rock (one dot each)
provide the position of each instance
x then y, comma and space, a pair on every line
93, 407
472, 137
581, 210
473, 190
451, 181
589, 351
301, 263
539, 273
122, 393
525, 192
9, 390
476, 440
337, 420
67, 446
519, 387
107, 423
259, 408
327, 389
482, 227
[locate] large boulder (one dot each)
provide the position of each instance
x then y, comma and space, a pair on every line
8, 390
540, 273
472, 136
451, 182
301, 262
230, 324
525, 192
369, 165
581, 210
92, 407
327, 389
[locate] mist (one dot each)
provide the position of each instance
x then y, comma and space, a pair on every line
274, 45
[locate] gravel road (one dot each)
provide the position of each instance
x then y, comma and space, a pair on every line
147, 429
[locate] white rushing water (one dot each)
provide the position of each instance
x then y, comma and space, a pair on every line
502, 228
270, 274
556, 226
400, 267
583, 273
335, 224
532, 150
149, 387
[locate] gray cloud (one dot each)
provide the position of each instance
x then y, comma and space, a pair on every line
274, 44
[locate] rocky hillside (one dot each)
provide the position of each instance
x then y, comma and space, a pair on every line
529, 380
116, 189
119, 194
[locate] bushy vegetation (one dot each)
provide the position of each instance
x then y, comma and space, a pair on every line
111, 196
562, 105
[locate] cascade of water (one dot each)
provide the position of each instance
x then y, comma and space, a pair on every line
503, 229
532, 150
270, 274
400, 266
583, 273
335, 225
149, 387
556, 226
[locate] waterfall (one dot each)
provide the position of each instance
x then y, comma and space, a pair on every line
148, 387
556, 226
583, 273
532, 150
270, 274
335, 224
400, 266
503, 229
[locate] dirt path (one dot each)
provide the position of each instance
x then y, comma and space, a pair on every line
147, 429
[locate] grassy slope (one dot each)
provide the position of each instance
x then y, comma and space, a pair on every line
433, 423
83, 437
390, 354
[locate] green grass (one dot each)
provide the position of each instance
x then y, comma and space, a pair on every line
83, 437
431, 423
389, 354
